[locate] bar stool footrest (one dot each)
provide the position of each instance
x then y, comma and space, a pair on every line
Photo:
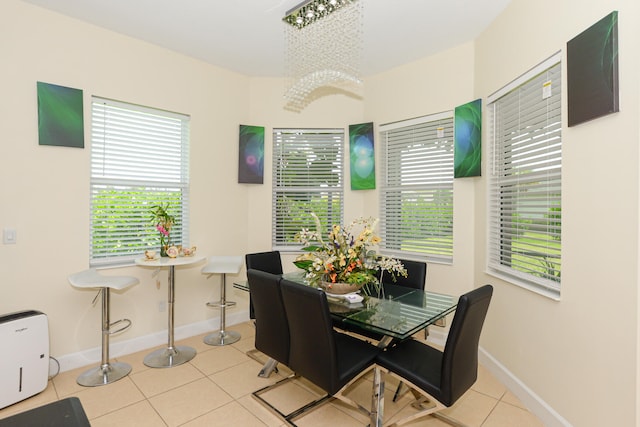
220, 304
127, 325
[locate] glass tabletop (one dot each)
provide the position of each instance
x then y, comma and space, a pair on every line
397, 311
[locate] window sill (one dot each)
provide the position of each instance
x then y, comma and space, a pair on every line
529, 286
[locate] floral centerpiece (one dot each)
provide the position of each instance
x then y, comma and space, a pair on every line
163, 222
347, 260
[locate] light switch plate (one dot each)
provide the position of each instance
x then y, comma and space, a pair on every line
9, 236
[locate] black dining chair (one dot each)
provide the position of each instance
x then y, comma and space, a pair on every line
329, 359
416, 275
442, 377
271, 262
272, 328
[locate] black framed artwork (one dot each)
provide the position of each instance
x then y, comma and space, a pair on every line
592, 71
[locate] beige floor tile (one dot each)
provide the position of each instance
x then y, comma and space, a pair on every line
505, 415
196, 342
98, 401
243, 379
327, 415
427, 421
189, 401
158, 380
66, 382
230, 415
472, 408
48, 395
245, 329
245, 344
488, 384
218, 359
136, 360
140, 414
511, 399
265, 415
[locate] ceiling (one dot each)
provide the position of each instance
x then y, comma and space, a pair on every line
247, 36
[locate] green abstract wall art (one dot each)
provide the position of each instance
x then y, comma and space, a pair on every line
467, 152
592, 71
251, 155
362, 157
60, 116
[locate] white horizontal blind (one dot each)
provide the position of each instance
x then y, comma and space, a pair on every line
525, 182
417, 188
139, 158
307, 177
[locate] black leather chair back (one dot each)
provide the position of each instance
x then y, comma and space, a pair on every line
264, 261
460, 357
272, 328
313, 347
416, 275
318, 353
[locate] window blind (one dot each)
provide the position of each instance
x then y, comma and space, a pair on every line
525, 183
307, 177
416, 216
139, 158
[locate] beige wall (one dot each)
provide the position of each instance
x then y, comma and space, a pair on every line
561, 350
578, 354
45, 195
432, 85
45, 190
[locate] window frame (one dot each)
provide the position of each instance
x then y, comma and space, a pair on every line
331, 139
551, 161
437, 182
139, 159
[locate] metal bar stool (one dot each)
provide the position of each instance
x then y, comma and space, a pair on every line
107, 372
222, 265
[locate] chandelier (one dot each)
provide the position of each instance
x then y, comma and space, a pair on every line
323, 50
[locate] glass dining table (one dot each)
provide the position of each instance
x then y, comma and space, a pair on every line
396, 312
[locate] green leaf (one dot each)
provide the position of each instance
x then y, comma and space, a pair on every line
304, 264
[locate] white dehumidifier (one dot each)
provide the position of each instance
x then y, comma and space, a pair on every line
24, 365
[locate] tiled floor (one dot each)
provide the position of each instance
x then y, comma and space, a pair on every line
214, 389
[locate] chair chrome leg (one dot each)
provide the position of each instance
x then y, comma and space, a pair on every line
268, 368
398, 393
377, 399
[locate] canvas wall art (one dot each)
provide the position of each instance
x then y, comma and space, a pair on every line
592, 71
467, 152
251, 155
60, 116
362, 157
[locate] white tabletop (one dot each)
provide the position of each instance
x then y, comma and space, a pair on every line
168, 262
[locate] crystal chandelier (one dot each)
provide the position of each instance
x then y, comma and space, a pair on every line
323, 50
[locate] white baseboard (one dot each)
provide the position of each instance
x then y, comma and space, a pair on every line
121, 348
531, 400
